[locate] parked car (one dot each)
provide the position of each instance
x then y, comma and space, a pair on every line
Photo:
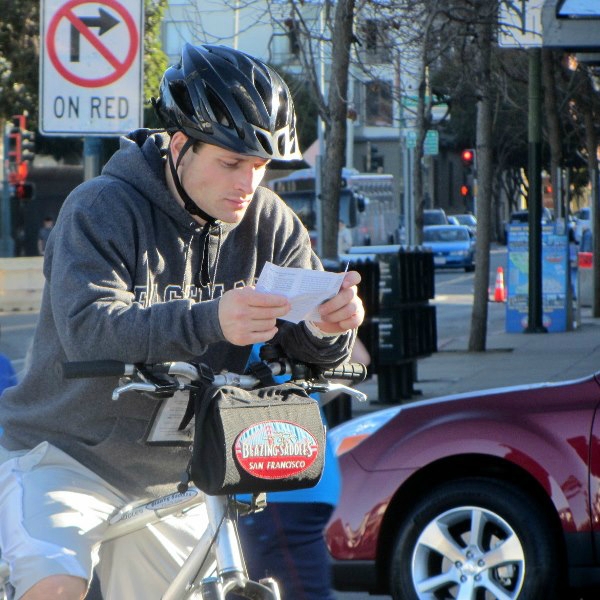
480, 495
468, 220
434, 216
452, 246
583, 221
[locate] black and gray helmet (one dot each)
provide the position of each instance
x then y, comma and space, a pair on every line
225, 97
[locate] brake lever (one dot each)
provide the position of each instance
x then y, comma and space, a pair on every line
137, 386
158, 385
353, 392
314, 387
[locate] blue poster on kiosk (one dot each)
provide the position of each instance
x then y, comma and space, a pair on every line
555, 253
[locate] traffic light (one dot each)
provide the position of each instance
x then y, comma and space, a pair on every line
14, 146
467, 157
21, 146
27, 146
24, 191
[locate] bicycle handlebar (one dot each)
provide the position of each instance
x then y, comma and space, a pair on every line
350, 372
95, 368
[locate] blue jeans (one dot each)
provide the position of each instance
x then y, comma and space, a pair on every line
285, 541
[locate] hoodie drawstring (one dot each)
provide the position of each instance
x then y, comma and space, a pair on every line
204, 278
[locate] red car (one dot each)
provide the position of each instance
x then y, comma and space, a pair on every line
478, 496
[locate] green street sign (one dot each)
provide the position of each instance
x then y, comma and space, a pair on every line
432, 142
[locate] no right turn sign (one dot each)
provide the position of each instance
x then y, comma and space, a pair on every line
91, 68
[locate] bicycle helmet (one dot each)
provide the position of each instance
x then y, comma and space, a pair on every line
227, 98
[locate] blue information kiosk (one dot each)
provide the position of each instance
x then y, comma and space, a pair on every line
556, 295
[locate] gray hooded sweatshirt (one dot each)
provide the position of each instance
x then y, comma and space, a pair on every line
130, 276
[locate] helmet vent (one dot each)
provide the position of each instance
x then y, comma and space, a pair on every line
248, 107
264, 94
181, 96
219, 109
282, 112
264, 142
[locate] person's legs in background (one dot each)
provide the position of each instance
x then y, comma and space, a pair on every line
285, 541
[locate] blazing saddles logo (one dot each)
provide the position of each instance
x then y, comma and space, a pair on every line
275, 449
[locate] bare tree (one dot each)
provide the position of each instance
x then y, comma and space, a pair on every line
317, 36
429, 50
485, 30
335, 125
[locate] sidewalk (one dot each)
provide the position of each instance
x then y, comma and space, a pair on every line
509, 359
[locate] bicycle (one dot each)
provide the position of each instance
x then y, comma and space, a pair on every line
215, 567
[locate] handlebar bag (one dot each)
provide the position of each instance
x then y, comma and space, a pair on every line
269, 439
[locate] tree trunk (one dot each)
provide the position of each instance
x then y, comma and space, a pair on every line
478, 333
335, 126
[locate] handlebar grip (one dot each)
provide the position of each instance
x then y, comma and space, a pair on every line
93, 368
352, 372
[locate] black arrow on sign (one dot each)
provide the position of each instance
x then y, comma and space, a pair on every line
104, 21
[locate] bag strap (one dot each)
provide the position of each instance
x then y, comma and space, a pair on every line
205, 381
262, 372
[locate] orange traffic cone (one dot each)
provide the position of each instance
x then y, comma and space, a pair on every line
499, 292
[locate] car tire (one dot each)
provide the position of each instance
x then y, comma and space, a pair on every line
433, 558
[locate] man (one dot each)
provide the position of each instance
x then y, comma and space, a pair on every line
43, 234
154, 260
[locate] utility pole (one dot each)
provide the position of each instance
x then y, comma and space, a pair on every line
535, 321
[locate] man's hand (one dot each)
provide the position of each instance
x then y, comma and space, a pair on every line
345, 310
248, 317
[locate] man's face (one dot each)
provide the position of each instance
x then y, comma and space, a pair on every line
221, 182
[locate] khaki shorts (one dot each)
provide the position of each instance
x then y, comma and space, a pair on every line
53, 514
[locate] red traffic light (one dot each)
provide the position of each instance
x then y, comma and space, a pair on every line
464, 190
468, 157
24, 191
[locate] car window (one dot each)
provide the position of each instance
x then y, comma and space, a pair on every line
466, 219
446, 235
431, 235
458, 235
434, 217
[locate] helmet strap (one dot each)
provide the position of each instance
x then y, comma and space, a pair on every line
188, 203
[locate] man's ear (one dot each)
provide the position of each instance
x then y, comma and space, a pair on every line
178, 139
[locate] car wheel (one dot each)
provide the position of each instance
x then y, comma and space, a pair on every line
475, 539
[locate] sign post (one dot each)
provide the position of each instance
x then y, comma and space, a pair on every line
91, 73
